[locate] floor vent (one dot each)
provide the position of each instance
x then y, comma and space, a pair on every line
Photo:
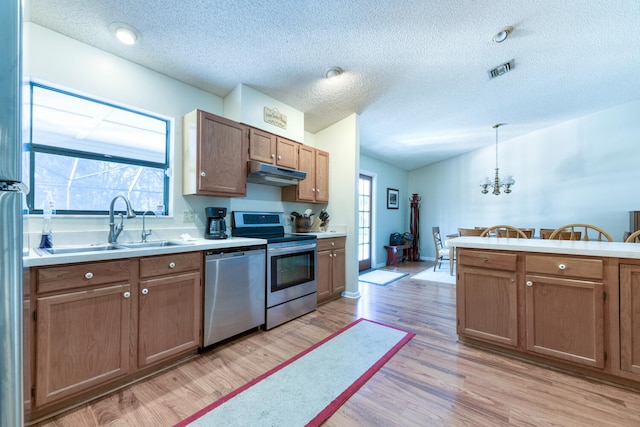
501, 69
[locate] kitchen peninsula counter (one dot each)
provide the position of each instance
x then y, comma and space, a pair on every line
567, 247
572, 305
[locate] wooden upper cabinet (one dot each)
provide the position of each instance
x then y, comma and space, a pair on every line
315, 187
287, 153
322, 176
307, 187
269, 148
262, 146
214, 155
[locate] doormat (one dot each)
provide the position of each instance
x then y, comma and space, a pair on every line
308, 388
381, 277
440, 276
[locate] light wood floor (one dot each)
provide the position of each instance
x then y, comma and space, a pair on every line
432, 381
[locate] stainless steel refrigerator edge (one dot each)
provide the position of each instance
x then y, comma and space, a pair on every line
11, 402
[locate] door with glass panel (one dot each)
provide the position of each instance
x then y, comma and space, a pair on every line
364, 222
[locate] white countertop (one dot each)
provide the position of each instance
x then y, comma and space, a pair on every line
34, 259
569, 247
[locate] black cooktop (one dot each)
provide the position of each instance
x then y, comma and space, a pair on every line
264, 225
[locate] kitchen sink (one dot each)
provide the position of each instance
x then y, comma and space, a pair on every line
155, 244
78, 249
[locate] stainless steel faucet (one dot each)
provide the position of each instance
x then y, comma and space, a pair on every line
115, 230
145, 232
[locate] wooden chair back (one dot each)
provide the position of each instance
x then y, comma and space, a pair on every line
504, 231
580, 232
437, 239
545, 233
470, 231
633, 237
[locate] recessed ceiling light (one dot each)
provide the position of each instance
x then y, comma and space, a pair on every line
502, 35
333, 72
125, 33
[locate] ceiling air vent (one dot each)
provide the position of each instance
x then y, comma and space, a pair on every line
500, 69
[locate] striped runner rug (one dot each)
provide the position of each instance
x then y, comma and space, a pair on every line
308, 388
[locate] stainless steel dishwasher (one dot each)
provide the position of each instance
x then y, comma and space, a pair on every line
234, 293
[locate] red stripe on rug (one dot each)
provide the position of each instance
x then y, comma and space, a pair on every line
338, 401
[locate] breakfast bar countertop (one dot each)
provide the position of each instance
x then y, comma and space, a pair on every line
568, 247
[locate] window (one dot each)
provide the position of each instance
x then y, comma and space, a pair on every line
85, 152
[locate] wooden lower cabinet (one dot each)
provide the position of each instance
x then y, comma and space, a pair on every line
487, 304
101, 324
630, 320
331, 269
565, 319
169, 317
82, 341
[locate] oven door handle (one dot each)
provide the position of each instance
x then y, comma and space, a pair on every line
291, 249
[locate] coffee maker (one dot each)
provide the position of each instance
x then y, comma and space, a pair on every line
216, 227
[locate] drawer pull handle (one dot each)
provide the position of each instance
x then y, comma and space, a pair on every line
485, 259
88, 275
203, 174
562, 266
145, 291
333, 243
172, 265
126, 294
529, 283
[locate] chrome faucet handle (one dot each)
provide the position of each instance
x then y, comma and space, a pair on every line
146, 233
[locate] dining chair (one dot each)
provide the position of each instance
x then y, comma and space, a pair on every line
504, 231
443, 252
575, 231
470, 231
633, 237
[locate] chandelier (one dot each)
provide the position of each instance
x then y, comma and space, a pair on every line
497, 183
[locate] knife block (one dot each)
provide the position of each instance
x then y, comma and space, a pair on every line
315, 227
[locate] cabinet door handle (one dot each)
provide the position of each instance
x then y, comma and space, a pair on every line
562, 266
203, 173
88, 275
529, 283
126, 294
172, 265
273, 156
279, 157
145, 291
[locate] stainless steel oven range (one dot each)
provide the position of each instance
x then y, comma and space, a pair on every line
291, 285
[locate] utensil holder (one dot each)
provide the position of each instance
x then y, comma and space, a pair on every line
303, 224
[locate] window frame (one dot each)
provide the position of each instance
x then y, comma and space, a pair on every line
33, 148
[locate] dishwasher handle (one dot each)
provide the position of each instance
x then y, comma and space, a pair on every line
233, 253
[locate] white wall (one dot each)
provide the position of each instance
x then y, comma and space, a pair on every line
344, 138
580, 171
387, 221
56, 59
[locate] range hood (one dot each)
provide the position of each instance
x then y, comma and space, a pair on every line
264, 173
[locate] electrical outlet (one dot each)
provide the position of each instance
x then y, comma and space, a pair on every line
188, 216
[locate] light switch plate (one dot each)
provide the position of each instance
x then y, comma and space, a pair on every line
188, 216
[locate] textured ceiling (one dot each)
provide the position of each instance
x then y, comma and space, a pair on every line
415, 70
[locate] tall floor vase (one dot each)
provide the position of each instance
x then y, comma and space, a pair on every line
414, 226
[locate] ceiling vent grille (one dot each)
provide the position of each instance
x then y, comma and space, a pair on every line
501, 69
